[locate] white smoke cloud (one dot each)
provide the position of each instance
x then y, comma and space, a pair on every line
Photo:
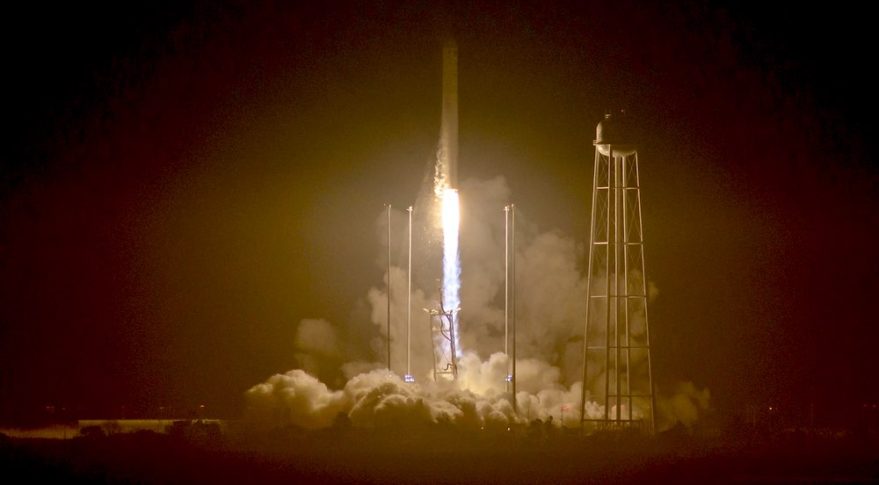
685, 406
317, 336
551, 309
379, 398
374, 399
294, 398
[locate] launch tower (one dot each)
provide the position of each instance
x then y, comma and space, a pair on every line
617, 368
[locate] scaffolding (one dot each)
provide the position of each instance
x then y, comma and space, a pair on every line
442, 330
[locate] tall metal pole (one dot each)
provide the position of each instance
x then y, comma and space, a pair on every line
507, 292
389, 287
513, 264
626, 182
595, 188
409, 303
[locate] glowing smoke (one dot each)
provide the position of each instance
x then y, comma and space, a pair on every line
551, 311
685, 406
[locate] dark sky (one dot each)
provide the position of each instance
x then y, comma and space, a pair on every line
183, 182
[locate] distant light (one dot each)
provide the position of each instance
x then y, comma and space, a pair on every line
408, 378
509, 377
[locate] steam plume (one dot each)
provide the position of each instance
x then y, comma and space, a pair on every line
551, 311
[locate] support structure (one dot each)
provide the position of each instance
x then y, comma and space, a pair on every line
445, 362
617, 367
513, 296
510, 299
409, 377
509, 376
389, 287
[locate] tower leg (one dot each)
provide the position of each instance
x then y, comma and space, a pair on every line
592, 223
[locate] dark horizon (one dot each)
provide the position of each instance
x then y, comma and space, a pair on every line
184, 182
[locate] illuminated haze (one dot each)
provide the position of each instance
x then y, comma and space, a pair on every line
192, 195
551, 312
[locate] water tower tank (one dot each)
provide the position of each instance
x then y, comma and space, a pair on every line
614, 134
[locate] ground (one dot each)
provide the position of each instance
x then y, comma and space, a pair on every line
437, 455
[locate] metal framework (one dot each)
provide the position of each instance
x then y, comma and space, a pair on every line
445, 359
617, 367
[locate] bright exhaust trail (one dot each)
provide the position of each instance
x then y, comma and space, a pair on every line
451, 214
446, 190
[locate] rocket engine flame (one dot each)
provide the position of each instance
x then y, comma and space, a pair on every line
445, 188
451, 219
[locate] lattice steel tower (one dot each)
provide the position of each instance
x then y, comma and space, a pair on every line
617, 369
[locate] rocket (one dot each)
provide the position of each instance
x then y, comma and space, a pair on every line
448, 149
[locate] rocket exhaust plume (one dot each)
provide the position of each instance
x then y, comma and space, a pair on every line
446, 190
451, 262
447, 163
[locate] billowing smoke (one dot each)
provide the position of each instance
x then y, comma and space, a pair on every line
373, 399
294, 398
551, 309
685, 406
317, 343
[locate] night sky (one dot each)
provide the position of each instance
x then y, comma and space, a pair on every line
182, 183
